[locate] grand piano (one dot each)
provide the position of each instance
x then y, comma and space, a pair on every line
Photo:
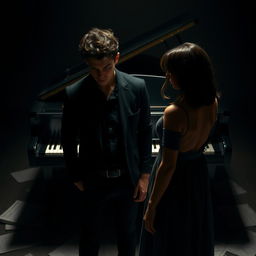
44, 148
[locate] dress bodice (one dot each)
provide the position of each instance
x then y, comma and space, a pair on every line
159, 128
171, 139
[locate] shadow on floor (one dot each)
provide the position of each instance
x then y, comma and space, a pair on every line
229, 226
52, 213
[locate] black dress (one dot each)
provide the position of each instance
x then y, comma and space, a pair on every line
184, 214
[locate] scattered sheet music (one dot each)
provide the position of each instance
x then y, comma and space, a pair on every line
8, 243
23, 213
238, 190
26, 175
247, 214
9, 227
247, 249
67, 249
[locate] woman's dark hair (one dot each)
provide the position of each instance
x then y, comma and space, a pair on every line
192, 69
99, 43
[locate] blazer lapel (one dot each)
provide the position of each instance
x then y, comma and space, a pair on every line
124, 103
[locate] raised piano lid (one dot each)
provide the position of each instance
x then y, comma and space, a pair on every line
128, 50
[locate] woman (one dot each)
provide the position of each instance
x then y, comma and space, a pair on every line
178, 213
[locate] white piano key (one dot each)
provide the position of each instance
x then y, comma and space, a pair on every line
155, 148
209, 149
47, 151
51, 149
58, 149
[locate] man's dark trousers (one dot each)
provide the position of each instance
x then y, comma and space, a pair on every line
117, 194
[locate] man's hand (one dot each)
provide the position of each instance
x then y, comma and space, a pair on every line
79, 185
141, 189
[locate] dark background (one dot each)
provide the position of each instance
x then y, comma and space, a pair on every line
39, 41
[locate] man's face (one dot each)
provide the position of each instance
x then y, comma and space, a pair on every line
102, 70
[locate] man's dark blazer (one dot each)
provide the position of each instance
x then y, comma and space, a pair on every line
81, 124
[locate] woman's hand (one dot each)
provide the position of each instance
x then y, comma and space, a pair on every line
79, 185
149, 219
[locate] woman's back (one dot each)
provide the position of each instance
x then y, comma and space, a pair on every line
197, 124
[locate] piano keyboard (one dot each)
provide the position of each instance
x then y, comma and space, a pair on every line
57, 150
54, 149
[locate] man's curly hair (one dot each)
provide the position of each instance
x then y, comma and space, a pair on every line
99, 43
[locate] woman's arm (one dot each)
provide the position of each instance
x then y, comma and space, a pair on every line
163, 176
174, 121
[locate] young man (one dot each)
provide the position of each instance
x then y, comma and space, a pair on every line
108, 114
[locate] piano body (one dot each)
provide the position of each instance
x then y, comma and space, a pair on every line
44, 148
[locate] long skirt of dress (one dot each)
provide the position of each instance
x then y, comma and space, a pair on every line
184, 221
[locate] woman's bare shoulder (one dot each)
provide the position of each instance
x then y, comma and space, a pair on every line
175, 118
